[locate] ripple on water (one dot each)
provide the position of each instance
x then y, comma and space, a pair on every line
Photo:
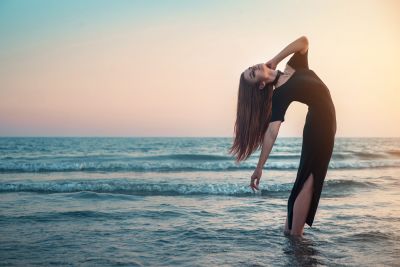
369, 236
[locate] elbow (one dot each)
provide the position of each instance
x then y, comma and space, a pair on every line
303, 44
304, 39
272, 135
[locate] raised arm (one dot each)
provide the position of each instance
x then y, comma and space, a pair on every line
268, 142
298, 45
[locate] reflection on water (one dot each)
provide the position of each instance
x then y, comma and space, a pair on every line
301, 251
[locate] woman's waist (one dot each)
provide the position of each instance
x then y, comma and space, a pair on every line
323, 111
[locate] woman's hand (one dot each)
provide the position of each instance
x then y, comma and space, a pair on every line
272, 63
255, 178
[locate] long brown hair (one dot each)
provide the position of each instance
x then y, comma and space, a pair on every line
252, 118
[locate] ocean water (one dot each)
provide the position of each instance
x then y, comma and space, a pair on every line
184, 202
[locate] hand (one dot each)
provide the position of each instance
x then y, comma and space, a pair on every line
255, 178
272, 64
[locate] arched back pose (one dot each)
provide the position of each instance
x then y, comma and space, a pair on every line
263, 98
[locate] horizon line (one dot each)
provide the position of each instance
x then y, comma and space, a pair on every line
123, 136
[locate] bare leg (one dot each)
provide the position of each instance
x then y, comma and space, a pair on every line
286, 230
302, 206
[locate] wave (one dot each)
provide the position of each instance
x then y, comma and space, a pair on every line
55, 216
92, 215
369, 236
362, 155
394, 152
176, 166
348, 184
114, 157
165, 188
197, 157
367, 155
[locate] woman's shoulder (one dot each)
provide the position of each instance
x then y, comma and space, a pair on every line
299, 60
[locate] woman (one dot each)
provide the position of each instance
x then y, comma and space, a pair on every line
264, 96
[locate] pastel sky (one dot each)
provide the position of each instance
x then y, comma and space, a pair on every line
171, 68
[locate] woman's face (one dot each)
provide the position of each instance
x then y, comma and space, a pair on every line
256, 73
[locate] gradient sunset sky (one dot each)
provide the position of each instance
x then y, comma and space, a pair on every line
171, 68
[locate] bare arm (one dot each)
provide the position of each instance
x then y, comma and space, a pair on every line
298, 45
268, 142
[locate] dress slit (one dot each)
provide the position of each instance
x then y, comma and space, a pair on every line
297, 187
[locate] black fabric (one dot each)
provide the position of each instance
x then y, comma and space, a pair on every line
299, 61
281, 102
277, 77
319, 130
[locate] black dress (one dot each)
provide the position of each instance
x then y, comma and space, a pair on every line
319, 130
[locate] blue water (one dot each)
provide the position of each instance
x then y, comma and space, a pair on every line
184, 202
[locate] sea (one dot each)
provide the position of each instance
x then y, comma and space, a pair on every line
175, 201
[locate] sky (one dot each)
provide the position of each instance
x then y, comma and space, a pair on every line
171, 68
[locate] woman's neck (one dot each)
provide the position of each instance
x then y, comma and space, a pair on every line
275, 76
